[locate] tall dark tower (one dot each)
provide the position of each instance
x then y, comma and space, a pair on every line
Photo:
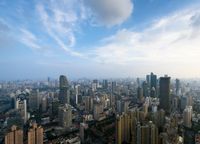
165, 99
177, 86
153, 85
64, 90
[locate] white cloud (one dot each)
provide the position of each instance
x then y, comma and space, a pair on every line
110, 12
60, 20
168, 41
29, 39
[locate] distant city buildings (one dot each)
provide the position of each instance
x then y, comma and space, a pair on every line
136, 111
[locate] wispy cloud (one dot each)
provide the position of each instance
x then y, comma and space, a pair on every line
29, 39
60, 20
167, 39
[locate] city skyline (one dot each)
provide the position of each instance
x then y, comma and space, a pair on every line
105, 38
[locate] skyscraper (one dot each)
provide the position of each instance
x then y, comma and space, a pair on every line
145, 89
35, 134
153, 85
34, 100
83, 127
140, 94
105, 84
177, 86
187, 116
15, 136
21, 106
165, 99
64, 95
98, 110
77, 91
65, 116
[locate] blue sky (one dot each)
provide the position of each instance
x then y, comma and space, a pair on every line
99, 38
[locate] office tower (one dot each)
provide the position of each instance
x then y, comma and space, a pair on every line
21, 106
83, 127
177, 86
98, 110
189, 101
88, 103
44, 104
145, 89
34, 100
114, 86
148, 79
145, 109
95, 85
153, 85
175, 103
119, 106
187, 116
55, 107
165, 99
64, 94
35, 134
140, 94
126, 106
138, 82
77, 91
183, 102
15, 136
65, 116
105, 84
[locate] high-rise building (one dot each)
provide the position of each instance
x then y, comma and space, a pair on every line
105, 84
77, 91
21, 106
140, 94
147, 134
15, 136
65, 116
64, 94
165, 98
44, 104
183, 103
187, 116
145, 89
113, 86
153, 85
189, 101
122, 129
177, 86
83, 127
98, 110
34, 100
35, 134
126, 128
95, 85
88, 103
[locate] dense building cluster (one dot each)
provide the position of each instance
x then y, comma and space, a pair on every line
148, 110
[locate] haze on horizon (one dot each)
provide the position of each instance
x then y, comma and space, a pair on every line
99, 38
